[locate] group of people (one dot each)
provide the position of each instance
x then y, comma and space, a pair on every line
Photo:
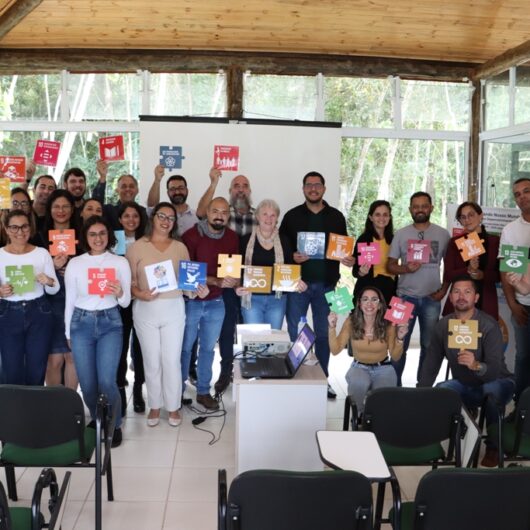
59, 331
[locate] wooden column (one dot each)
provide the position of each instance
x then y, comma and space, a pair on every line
474, 144
234, 92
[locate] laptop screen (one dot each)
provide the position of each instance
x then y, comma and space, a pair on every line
301, 347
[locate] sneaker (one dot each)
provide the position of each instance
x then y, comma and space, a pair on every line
117, 437
491, 458
222, 383
138, 399
331, 393
207, 401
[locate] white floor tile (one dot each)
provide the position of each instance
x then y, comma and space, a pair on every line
145, 453
190, 516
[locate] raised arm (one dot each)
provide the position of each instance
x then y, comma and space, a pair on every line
153, 198
215, 175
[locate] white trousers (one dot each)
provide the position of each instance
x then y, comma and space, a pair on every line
159, 325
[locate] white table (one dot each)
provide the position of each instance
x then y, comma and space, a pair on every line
276, 420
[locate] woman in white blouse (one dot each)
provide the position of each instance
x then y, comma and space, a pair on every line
96, 283
26, 274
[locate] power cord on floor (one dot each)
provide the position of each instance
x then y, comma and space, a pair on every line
204, 414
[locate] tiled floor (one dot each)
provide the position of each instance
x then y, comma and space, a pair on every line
166, 478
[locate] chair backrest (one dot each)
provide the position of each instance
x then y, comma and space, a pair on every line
464, 499
36, 417
412, 417
522, 415
5, 518
289, 500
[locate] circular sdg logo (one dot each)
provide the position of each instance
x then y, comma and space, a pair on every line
170, 161
513, 263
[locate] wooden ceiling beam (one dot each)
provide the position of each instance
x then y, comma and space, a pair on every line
16, 12
32, 61
502, 62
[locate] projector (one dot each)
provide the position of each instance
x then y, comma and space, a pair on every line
270, 342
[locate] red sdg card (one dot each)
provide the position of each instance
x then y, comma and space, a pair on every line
13, 167
62, 242
111, 148
226, 157
46, 153
418, 250
98, 280
399, 312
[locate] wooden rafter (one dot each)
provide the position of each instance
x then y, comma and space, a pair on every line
15, 13
502, 62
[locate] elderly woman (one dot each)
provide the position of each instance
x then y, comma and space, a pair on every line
374, 343
26, 275
264, 246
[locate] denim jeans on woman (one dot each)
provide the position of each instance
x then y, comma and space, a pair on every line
96, 338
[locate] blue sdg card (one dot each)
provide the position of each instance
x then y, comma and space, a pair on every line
313, 244
191, 274
171, 156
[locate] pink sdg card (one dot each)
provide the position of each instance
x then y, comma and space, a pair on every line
369, 253
399, 312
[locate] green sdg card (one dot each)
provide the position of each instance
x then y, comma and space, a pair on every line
340, 301
513, 259
21, 278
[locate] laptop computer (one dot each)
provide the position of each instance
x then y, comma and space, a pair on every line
280, 367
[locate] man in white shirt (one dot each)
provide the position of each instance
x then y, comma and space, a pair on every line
517, 233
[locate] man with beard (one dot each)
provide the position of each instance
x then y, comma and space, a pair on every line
177, 192
321, 275
241, 221
127, 188
476, 373
204, 317
74, 181
419, 283
43, 187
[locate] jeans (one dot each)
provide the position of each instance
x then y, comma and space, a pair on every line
427, 311
473, 396
96, 338
26, 329
522, 355
361, 378
297, 306
203, 319
265, 309
232, 305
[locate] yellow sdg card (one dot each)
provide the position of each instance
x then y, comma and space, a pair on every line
229, 265
5, 194
470, 246
463, 334
286, 277
257, 279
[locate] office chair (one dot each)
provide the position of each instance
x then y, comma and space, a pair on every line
470, 499
292, 500
31, 518
45, 426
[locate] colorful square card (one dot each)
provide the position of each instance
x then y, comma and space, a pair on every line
340, 301
161, 276
46, 153
226, 157
5, 194
418, 250
111, 148
312, 244
21, 278
463, 334
191, 274
171, 156
286, 277
13, 167
257, 279
62, 242
229, 265
98, 280
369, 253
470, 246
513, 259
399, 312
339, 246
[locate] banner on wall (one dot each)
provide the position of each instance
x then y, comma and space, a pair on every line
495, 219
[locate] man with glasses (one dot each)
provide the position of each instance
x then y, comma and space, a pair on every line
177, 192
320, 275
415, 255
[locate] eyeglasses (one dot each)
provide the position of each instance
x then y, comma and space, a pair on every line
101, 234
15, 229
164, 217
315, 186
176, 189
421, 235
20, 204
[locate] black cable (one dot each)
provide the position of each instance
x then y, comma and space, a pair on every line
203, 415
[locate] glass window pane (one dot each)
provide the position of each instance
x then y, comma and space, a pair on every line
522, 93
106, 97
435, 106
497, 97
188, 94
393, 169
30, 97
358, 102
280, 97
505, 161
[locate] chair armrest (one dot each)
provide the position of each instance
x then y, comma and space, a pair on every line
222, 499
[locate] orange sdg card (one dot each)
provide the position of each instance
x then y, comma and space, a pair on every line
470, 246
286, 277
339, 246
257, 279
229, 265
62, 242
463, 334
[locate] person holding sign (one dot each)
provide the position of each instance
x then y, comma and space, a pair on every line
265, 247
27, 274
59, 236
482, 266
476, 359
96, 283
415, 255
374, 342
371, 252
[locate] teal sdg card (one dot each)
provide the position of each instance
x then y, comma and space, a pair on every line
340, 301
514, 259
21, 278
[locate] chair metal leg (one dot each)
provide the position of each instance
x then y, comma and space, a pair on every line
347, 409
11, 482
110, 485
379, 505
